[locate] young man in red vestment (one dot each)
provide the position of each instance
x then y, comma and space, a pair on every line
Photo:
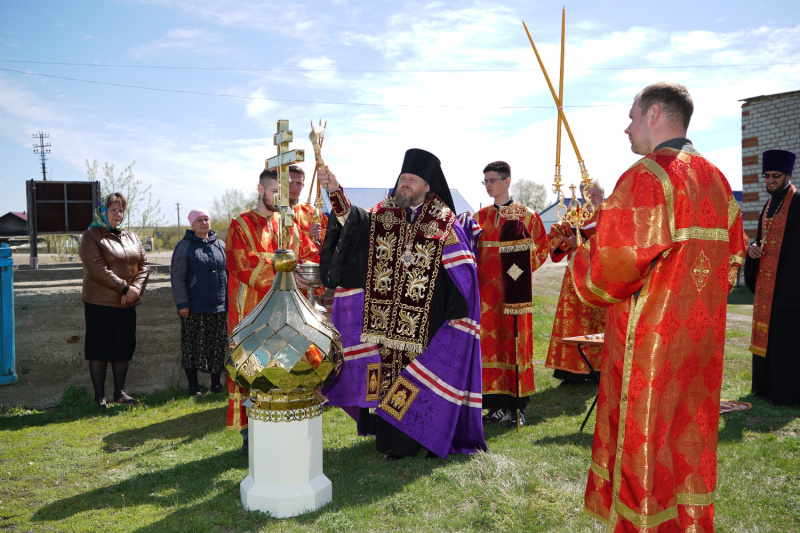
770, 272
573, 318
304, 212
499, 357
250, 244
668, 246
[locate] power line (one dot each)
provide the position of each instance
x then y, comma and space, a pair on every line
288, 100
413, 71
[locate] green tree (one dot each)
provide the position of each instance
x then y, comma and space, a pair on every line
232, 202
141, 212
529, 193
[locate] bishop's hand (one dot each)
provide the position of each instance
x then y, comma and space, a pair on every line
327, 179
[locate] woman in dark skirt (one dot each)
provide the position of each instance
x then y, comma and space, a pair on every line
199, 285
115, 271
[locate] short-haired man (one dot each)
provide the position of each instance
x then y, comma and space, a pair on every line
668, 246
771, 267
249, 246
573, 317
304, 212
499, 356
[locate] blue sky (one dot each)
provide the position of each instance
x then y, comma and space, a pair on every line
456, 78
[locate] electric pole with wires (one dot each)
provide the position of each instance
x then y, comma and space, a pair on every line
42, 150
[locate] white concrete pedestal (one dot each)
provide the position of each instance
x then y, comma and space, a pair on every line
285, 476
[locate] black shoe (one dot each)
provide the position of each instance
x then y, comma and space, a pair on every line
216, 388
498, 415
195, 391
100, 403
431, 455
394, 457
513, 422
125, 399
245, 451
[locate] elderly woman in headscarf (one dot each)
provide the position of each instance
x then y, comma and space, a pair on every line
115, 272
199, 286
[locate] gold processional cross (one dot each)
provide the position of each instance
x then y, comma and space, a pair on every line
573, 214
281, 163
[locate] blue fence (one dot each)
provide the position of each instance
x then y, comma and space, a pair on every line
7, 362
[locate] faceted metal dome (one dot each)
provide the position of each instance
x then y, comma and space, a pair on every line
284, 348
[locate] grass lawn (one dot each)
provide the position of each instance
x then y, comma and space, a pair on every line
169, 465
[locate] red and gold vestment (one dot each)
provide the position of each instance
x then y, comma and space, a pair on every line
249, 246
573, 317
666, 253
304, 217
497, 328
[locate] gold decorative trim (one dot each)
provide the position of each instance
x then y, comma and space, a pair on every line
733, 211
519, 245
399, 398
373, 382
627, 370
662, 176
517, 309
292, 415
489, 244
506, 366
645, 520
452, 239
600, 471
689, 498
706, 234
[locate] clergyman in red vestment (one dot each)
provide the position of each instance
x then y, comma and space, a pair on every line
249, 246
668, 246
770, 272
573, 317
498, 356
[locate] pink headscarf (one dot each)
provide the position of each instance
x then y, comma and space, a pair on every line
196, 212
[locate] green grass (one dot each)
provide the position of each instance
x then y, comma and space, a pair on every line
169, 465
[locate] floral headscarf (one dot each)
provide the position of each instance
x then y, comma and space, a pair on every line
101, 215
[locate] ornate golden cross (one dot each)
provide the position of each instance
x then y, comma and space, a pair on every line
281, 163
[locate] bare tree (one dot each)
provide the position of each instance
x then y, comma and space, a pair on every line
231, 203
529, 193
141, 210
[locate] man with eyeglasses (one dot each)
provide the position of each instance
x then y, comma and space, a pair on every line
771, 267
668, 247
499, 357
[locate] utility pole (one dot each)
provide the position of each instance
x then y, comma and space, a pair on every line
178, 207
42, 150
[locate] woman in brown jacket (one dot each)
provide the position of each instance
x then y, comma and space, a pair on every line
115, 271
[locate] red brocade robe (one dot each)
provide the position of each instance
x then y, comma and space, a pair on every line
667, 250
250, 244
497, 328
304, 217
573, 317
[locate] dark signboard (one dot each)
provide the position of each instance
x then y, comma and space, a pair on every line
61, 206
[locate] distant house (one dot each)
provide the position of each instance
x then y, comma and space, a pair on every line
13, 225
366, 197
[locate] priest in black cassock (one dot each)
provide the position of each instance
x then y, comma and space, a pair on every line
771, 268
408, 309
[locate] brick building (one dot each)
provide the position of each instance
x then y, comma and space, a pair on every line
768, 122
